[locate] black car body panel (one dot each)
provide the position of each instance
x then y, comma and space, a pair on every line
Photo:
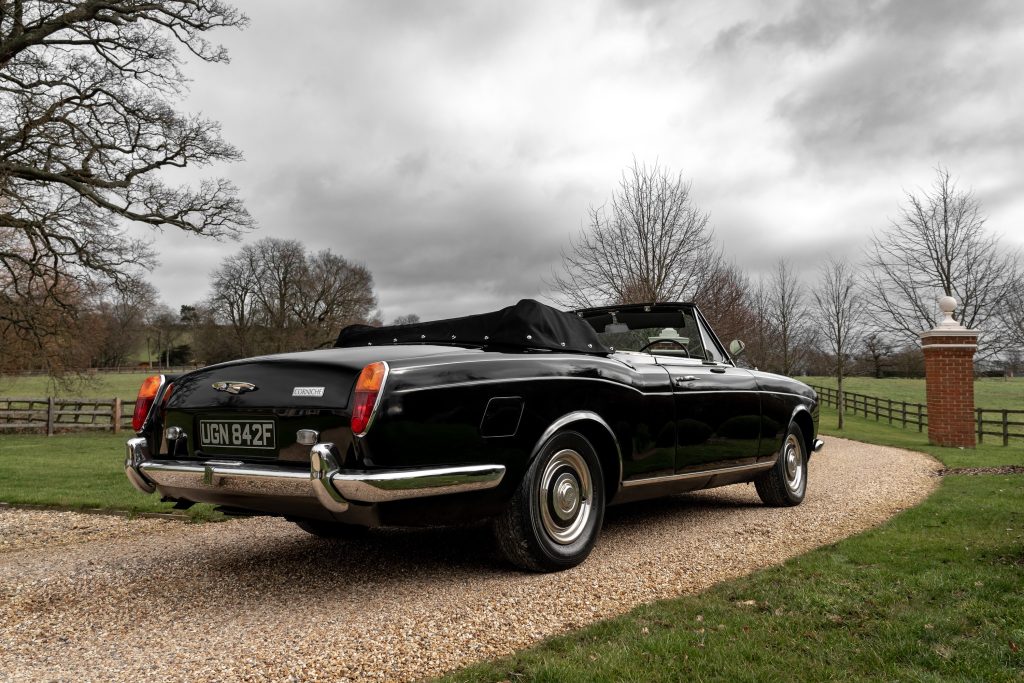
451, 415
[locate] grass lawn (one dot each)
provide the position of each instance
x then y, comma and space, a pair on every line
989, 392
75, 471
935, 594
100, 385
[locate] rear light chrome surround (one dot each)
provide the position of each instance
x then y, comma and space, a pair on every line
145, 399
366, 396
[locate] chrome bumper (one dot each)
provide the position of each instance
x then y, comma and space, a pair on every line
325, 480
817, 446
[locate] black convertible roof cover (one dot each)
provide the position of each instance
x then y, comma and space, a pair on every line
527, 325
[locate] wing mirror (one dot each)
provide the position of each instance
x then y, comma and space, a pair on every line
736, 348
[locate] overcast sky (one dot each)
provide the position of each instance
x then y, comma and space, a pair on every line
454, 147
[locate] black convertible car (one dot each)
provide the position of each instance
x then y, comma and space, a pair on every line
530, 416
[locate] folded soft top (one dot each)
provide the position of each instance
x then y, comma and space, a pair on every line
527, 325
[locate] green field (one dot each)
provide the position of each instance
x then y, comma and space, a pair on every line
936, 594
74, 471
99, 385
989, 392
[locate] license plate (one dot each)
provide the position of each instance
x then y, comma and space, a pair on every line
237, 433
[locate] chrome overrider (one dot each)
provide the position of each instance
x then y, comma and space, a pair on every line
332, 486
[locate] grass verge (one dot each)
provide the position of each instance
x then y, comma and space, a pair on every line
75, 471
935, 594
989, 392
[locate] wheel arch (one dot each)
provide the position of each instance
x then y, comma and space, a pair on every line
601, 437
802, 417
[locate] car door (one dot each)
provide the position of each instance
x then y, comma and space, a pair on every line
718, 414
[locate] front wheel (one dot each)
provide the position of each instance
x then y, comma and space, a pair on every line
785, 484
553, 520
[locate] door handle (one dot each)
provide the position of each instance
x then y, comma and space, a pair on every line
685, 378
719, 371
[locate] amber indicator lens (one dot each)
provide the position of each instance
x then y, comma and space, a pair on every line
144, 401
368, 387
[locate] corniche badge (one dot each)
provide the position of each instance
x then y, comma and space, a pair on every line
308, 391
234, 387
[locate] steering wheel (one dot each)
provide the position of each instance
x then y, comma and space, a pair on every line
660, 341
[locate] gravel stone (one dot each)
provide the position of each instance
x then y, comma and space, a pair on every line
91, 598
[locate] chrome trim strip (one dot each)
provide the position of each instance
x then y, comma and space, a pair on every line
694, 475
576, 416
380, 487
137, 452
479, 382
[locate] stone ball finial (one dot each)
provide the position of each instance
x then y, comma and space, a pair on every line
947, 305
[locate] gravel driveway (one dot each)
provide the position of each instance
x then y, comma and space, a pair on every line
85, 597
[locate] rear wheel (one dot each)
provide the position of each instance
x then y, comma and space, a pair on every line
785, 484
330, 529
555, 516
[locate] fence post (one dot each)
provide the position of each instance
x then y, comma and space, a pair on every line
920, 418
1006, 427
116, 417
981, 429
890, 411
904, 414
49, 415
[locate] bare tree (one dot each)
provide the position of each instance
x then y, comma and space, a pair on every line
788, 315
87, 129
119, 315
839, 309
332, 294
408, 319
761, 334
878, 351
164, 329
277, 269
276, 297
938, 246
650, 244
724, 298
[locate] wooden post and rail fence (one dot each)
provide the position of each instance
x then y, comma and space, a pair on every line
51, 415
991, 422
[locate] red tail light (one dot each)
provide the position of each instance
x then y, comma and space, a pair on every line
144, 401
367, 393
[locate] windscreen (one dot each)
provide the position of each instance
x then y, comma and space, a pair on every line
670, 333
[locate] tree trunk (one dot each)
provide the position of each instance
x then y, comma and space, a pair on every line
840, 400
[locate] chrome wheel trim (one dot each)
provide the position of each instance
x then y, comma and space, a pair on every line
565, 496
794, 464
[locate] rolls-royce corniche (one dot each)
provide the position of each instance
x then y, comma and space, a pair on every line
533, 418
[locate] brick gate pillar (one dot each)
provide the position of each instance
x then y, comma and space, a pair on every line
949, 379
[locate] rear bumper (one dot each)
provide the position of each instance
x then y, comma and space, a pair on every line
324, 481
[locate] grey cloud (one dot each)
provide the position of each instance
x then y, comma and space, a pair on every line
816, 26
453, 146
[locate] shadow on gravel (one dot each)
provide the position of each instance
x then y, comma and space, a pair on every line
389, 558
